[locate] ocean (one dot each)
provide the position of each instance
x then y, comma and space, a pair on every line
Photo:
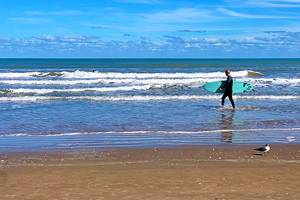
70, 104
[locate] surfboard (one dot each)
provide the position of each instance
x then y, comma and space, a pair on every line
237, 87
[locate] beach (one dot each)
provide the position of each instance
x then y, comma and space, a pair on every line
192, 172
147, 129
150, 100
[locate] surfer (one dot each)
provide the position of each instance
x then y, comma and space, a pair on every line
228, 88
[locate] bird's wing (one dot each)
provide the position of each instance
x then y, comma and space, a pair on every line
260, 149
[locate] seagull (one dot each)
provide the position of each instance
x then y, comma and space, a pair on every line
264, 149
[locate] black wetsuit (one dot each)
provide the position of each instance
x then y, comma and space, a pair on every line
228, 91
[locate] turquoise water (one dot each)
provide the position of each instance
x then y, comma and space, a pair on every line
50, 104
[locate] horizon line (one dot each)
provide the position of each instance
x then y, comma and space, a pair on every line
129, 58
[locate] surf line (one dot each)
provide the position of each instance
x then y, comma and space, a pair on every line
98, 74
250, 130
151, 132
140, 98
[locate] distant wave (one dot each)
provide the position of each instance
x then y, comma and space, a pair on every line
143, 98
107, 75
82, 74
17, 74
77, 90
130, 79
105, 81
48, 74
49, 82
161, 132
186, 81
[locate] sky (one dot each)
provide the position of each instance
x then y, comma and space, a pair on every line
150, 28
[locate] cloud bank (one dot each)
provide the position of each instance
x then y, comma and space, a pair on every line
270, 43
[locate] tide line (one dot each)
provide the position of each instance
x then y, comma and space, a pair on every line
162, 132
143, 98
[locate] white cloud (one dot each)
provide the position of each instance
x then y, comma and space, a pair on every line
139, 1
180, 15
59, 13
282, 41
191, 31
29, 20
232, 13
268, 3
69, 12
32, 13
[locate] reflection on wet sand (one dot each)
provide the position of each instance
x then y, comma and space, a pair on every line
226, 123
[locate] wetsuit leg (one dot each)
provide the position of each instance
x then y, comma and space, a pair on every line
231, 100
223, 98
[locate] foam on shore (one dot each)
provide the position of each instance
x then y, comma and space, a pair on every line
86, 74
143, 98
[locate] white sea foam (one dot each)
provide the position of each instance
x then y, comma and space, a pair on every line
75, 90
17, 74
274, 81
82, 74
290, 138
152, 81
49, 82
85, 74
142, 98
109, 81
161, 132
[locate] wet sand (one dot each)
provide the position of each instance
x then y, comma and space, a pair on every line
199, 172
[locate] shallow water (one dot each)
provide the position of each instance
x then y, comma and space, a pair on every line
53, 104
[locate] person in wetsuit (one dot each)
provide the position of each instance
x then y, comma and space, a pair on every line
227, 88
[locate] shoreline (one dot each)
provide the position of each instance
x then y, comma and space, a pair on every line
215, 152
103, 141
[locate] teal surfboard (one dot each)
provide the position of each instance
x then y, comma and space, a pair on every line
237, 87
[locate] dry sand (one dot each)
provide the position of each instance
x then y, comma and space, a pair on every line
201, 172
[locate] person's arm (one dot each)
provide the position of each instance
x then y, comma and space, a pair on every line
226, 83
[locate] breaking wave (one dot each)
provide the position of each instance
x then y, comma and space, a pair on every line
88, 75
78, 90
34, 86
132, 81
144, 98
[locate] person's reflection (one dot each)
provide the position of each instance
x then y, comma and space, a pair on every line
227, 124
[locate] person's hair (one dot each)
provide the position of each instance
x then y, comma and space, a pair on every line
227, 71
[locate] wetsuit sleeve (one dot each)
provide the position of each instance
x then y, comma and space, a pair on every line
228, 85
227, 82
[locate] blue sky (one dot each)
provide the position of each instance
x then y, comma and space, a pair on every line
150, 28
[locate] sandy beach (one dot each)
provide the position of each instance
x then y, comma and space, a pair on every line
150, 100
199, 172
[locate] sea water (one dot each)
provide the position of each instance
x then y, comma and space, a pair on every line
50, 104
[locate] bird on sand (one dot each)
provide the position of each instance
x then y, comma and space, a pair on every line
264, 149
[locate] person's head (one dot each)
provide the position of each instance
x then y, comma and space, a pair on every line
227, 72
